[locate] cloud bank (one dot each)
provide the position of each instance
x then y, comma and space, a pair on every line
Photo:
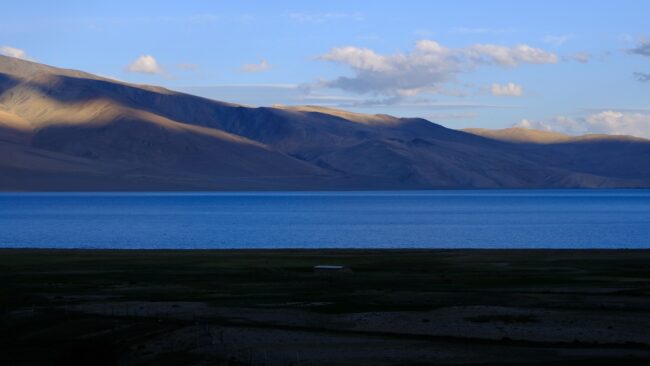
605, 122
426, 67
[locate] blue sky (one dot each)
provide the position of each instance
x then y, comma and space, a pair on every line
576, 67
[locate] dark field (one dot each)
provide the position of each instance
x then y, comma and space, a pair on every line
455, 307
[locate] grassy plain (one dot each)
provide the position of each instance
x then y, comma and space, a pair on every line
268, 307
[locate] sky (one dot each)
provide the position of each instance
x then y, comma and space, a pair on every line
571, 66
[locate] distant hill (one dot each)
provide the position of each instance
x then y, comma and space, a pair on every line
69, 130
523, 135
623, 158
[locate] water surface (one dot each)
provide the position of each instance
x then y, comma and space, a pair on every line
413, 219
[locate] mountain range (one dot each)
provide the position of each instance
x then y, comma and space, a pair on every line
70, 130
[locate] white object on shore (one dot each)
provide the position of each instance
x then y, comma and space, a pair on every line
331, 268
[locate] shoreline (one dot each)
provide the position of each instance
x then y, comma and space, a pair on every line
325, 249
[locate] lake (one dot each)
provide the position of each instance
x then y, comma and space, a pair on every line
406, 219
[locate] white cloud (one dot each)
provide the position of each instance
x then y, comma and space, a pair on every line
582, 57
468, 30
359, 58
605, 122
14, 52
319, 18
510, 56
261, 67
557, 40
643, 48
145, 64
425, 68
534, 125
507, 90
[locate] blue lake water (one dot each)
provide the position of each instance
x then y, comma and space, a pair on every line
413, 219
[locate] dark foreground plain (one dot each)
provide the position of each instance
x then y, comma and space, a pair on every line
395, 307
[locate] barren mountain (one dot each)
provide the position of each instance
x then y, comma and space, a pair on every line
69, 130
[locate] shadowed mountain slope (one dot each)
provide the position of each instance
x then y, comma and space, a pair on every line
64, 129
616, 156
